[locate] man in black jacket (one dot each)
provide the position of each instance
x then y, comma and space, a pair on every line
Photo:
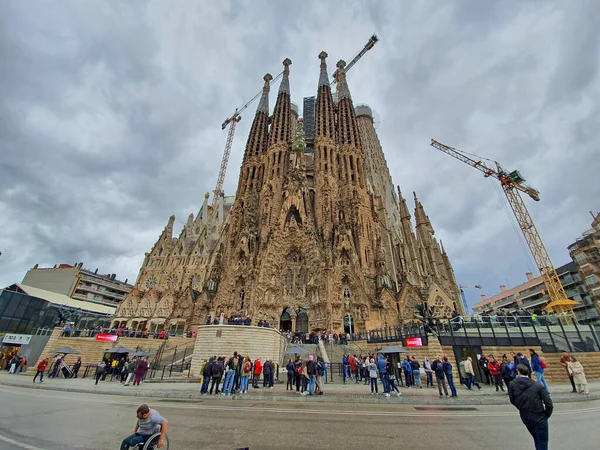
534, 405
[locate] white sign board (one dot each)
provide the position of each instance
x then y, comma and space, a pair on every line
22, 339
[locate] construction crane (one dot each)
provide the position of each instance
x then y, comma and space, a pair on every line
464, 297
236, 117
513, 184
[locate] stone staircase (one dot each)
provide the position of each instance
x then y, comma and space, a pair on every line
91, 351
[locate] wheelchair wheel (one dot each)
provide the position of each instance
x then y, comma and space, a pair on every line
151, 444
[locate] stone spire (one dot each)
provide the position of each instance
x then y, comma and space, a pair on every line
342, 85
324, 111
259, 132
323, 77
347, 125
420, 217
263, 105
285, 81
282, 115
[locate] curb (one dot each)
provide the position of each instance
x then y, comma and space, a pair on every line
332, 398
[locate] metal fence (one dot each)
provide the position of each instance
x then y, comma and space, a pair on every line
548, 332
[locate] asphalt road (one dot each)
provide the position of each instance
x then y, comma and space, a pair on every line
52, 420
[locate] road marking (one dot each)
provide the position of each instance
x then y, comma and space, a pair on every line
176, 404
18, 444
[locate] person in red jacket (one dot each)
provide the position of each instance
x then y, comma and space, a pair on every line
40, 370
257, 371
494, 368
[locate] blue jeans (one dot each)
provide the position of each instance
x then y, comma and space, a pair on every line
539, 431
451, 384
229, 379
133, 440
312, 384
205, 383
244, 383
386, 383
417, 377
41, 374
539, 376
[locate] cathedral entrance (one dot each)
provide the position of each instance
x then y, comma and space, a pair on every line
349, 324
302, 321
285, 321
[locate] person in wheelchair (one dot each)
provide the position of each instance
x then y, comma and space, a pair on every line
149, 422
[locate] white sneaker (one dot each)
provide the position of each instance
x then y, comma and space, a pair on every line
387, 395
398, 394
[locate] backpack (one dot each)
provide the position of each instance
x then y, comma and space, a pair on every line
235, 362
247, 367
542, 363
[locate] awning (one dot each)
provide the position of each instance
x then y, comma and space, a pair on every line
63, 300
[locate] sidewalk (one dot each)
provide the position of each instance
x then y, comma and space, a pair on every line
334, 392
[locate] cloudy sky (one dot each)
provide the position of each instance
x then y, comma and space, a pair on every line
110, 116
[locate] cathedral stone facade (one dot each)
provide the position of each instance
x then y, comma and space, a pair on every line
315, 239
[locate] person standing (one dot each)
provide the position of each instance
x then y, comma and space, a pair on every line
428, 371
257, 371
534, 405
407, 369
470, 378
245, 374
206, 375
321, 372
232, 366
76, 367
311, 370
440, 378
448, 372
140, 371
298, 374
564, 361
507, 370
416, 372
130, 371
483, 365
22, 364
576, 371
382, 367
40, 370
494, 369
373, 376
57, 363
217, 370
100, 370
538, 366
392, 379
291, 369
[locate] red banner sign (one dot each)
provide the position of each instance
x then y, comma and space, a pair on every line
107, 337
414, 342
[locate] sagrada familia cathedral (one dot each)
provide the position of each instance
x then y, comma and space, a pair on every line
316, 237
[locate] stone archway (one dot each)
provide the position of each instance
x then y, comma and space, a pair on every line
302, 321
285, 321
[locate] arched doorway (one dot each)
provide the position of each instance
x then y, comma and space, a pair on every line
302, 321
285, 321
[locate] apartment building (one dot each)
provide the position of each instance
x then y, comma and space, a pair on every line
78, 283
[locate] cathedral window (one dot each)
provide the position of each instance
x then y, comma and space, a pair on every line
160, 252
201, 250
242, 298
180, 250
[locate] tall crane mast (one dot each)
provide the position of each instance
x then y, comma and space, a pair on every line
462, 288
513, 184
236, 117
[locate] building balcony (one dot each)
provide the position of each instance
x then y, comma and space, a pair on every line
502, 303
106, 283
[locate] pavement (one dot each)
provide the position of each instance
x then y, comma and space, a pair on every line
335, 392
46, 419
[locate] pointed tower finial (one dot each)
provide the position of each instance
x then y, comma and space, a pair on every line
342, 85
263, 105
415, 195
285, 82
323, 77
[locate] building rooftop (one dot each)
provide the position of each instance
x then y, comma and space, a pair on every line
61, 299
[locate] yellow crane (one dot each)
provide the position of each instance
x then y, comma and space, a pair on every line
513, 184
236, 117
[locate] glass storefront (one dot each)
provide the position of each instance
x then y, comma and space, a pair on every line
23, 314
